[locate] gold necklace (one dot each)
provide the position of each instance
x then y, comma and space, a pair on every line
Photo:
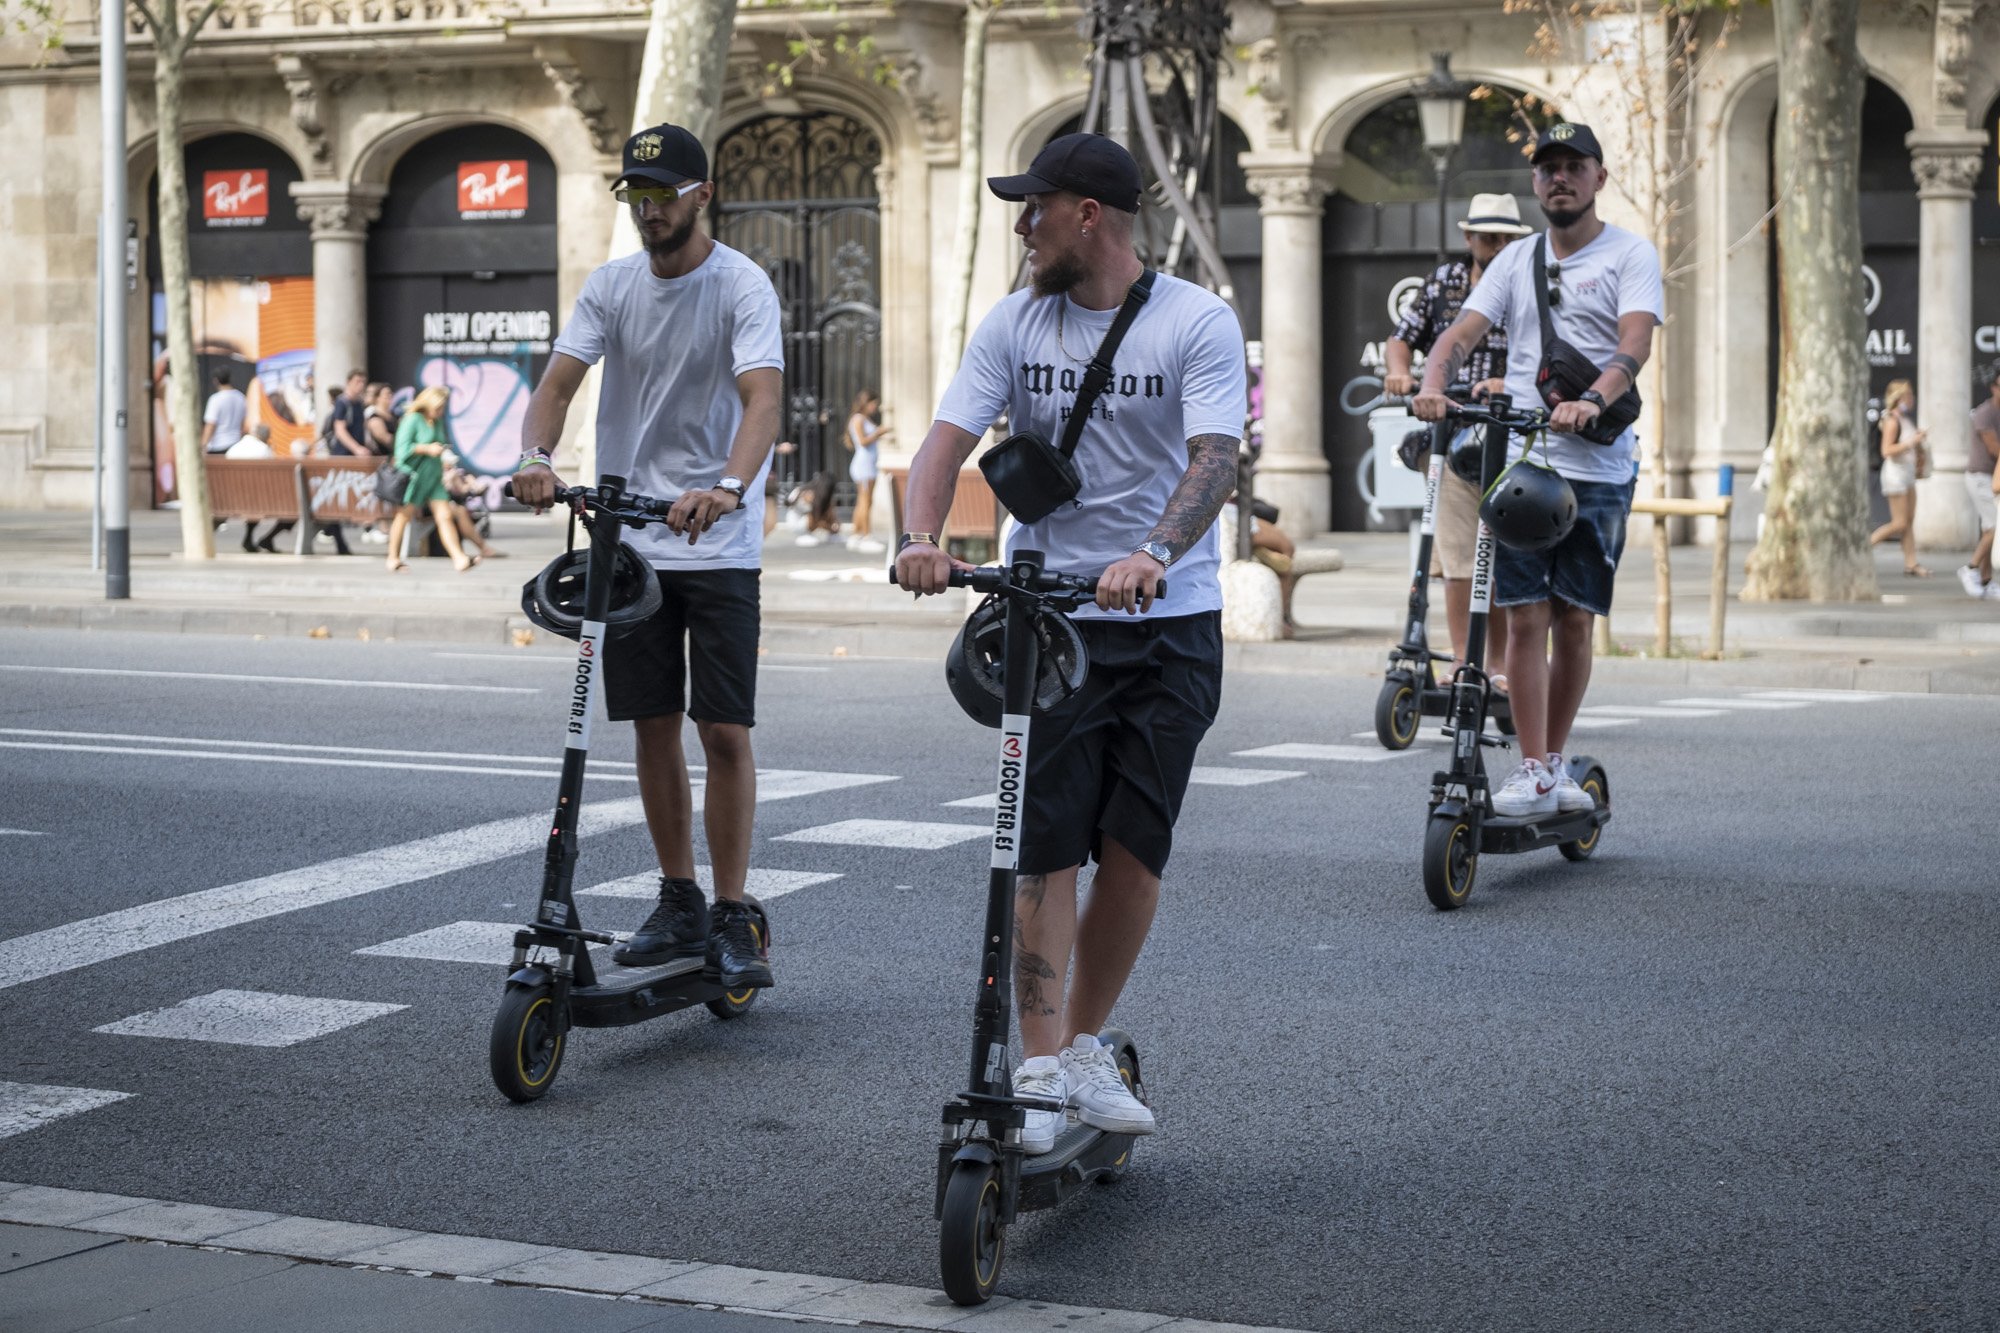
1080, 360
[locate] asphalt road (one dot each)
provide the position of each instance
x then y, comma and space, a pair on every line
1735, 1072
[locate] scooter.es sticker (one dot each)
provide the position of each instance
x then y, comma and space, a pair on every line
585, 686
1013, 781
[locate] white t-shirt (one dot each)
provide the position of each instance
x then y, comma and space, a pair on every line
1178, 374
225, 411
1617, 274
668, 409
249, 447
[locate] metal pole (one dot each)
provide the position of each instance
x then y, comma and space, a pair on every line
1443, 168
97, 424
114, 443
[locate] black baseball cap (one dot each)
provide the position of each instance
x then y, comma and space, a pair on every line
664, 155
1092, 165
1569, 136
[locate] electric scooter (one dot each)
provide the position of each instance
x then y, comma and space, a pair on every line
1462, 823
984, 1180
555, 984
1411, 689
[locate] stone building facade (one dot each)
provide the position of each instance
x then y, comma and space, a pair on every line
418, 188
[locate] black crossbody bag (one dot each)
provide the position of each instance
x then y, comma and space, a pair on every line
1565, 373
1034, 478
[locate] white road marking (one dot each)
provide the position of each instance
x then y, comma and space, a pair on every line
1753, 704
333, 682
1600, 723
554, 760
1340, 754
550, 657
1645, 710
26, 1106
1422, 735
1205, 776
1819, 696
490, 942
249, 1018
763, 885
990, 801
321, 761
98, 939
910, 833
22, 833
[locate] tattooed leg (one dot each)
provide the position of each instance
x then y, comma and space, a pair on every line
1044, 929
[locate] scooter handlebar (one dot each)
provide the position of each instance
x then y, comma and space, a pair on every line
1523, 422
630, 504
1000, 578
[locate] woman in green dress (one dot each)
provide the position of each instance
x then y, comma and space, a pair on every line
420, 451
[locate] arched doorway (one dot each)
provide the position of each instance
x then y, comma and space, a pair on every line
462, 282
1380, 240
797, 194
250, 287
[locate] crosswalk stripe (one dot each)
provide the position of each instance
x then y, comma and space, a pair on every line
487, 942
1742, 703
1340, 754
26, 1106
1600, 723
1646, 710
1819, 696
1202, 775
312, 760
553, 760
761, 884
249, 1018
907, 833
334, 682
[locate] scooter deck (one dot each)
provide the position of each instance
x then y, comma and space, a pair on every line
1081, 1154
1504, 834
634, 994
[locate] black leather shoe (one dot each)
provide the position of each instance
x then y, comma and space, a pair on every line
737, 957
677, 928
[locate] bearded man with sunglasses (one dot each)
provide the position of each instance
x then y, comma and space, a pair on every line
688, 331
1605, 299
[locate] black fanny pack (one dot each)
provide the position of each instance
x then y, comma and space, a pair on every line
1565, 373
1032, 477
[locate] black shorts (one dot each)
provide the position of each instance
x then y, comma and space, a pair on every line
708, 620
1114, 760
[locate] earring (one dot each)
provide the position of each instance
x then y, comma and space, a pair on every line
1086, 231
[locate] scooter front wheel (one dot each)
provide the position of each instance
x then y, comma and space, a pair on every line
1398, 711
527, 1045
972, 1240
1451, 859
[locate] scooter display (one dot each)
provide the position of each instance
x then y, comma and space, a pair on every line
1462, 824
984, 1179
1411, 688
554, 983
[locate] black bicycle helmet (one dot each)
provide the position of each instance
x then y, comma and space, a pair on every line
554, 598
1464, 455
1531, 506
973, 667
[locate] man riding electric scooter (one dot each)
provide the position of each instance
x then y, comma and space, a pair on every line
1154, 460
688, 331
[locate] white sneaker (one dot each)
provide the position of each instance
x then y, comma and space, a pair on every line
1530, 791
1098, 1092
1968, 579
1991, 592
866, 545
374, 538
1570, 798
1044, 1076
808, 539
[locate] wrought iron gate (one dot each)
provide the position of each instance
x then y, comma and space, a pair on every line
797, 194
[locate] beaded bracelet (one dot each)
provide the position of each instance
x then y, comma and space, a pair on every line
534, 459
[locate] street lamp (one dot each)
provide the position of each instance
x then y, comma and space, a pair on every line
1441, 114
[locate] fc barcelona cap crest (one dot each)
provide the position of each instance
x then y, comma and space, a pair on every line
1566, 136
663, 155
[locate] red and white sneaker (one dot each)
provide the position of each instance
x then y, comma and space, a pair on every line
1531, 790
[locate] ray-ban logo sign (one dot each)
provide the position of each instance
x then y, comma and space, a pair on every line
235, 198
492, 189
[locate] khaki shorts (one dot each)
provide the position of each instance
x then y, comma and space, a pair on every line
1457, 524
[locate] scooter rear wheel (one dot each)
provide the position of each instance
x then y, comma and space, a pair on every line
1451, 859
972, 1240
1398, 712
527, 1044
1598, 788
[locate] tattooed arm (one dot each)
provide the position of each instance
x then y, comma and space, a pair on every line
1132, 583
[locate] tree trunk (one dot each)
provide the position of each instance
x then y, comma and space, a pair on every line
184, 393
971, 191
1815, 539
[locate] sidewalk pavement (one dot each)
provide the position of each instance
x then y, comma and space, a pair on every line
73, 1260
1924, 636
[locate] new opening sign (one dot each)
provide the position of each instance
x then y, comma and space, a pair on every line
492, 190
236, 198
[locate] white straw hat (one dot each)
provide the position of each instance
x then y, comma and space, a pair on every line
1496, 213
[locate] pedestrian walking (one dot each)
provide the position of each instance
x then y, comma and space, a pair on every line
689, 332
1982, 480
864, 438
1108, 768
347, 432
1903, 463
378, 420
420, 451
223, 417
1600, 288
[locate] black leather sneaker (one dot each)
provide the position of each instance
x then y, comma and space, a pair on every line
678, 928
737, 959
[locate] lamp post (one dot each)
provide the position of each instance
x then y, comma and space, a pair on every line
1441, 114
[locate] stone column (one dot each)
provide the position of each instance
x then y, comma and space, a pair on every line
1293, 472
339, 215
1946, 165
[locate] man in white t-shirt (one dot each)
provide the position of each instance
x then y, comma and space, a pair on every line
688, 331
1108, 768
222, 419
1605, 300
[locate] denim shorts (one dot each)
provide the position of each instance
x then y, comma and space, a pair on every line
1578, 569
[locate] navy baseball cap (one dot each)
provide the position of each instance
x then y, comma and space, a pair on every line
663, 155
1567, 135
1092, 165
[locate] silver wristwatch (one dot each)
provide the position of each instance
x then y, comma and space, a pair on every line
1160, 551
734, 485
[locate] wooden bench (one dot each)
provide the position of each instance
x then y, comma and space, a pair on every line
975, 518
331, 490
